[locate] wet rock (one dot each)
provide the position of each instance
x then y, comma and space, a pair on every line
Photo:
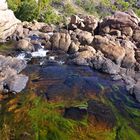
17, 83
61, 41
9, 78
101, 113
24, 45
110, 67
105, 65
75, 113
109, 48
83, 57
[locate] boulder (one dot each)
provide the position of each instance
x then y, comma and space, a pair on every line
124, 24
109, 48
136, 35
99, 62
129, 58
61, 41
8, 22
127, 31
24, 45
121, 19
3, 5
137, 53
90, 23
84, 37
10, 80
74, 47
83, 57
17, 83
136, 91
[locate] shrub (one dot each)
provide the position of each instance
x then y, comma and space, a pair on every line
27, 11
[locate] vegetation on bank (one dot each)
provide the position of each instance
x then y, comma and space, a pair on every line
56, 11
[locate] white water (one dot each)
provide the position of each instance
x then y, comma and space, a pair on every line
39, 53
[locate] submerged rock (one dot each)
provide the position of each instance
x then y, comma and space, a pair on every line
101, 113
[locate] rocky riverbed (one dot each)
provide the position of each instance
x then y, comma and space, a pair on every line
91, 65
110, 45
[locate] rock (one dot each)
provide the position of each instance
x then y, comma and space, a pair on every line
100, 113
14, 63
17, 83
87, 48
116, 33
109, 48
46, 29
75, 113
24, 45
129, 58
83, 57
110, 67
127, 31
8, 22
123, 24
84, 37
74, 47
9, 78
103, 64
61, 41
47, 45
136, 91
120, 19
75, 19
86, 23
90, 23
137, 53
136, 35
3, 5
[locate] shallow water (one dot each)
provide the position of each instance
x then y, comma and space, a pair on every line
50, 77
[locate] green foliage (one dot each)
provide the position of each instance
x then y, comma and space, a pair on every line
69, 10
27, 11
50, 16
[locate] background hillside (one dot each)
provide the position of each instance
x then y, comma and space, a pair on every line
56, 11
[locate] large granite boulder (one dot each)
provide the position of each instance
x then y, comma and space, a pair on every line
109, 48
61, 41
8, 22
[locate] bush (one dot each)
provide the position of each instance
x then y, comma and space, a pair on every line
27, 11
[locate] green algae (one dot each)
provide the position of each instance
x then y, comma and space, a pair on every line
43, 120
